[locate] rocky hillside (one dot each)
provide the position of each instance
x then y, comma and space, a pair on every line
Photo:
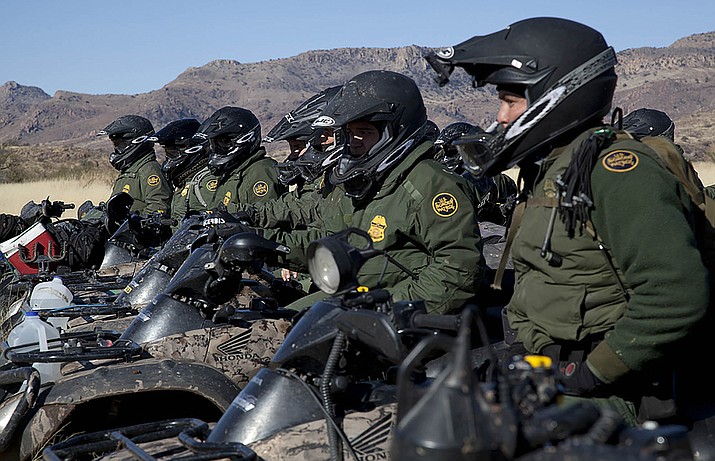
679, 79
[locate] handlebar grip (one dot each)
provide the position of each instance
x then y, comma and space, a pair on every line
68, 206
440, 322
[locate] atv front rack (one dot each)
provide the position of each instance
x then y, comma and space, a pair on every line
78, 346
187, 434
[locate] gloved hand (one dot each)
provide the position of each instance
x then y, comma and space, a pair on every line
244, 218
577, 379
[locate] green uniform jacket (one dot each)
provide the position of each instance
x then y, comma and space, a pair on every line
254, 180
145, 182
195, 196
425, 218
644, 217
297, 209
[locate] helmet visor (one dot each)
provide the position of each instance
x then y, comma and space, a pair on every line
221, 145
121, 144
172, 151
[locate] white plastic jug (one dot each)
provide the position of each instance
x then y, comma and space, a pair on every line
51, 295
35, 331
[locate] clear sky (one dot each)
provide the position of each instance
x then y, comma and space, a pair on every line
136, 46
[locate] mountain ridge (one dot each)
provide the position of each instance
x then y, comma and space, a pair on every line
678, 79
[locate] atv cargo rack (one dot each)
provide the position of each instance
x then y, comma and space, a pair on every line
191, 434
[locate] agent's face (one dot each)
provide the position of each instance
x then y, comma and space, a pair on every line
362, 136
296, 148
511, 107
327, 138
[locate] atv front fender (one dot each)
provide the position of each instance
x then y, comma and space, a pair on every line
133, 393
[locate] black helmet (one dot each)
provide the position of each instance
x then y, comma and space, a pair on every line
185, 154
297, 124
649, 122
177, 133
392, 102
447, 153
316, 161
129, 134
565, 70
234, 134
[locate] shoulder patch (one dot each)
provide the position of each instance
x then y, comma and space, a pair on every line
377, 228
126, 188
212, 185
620, 161
260, 188
445, 204
153, 180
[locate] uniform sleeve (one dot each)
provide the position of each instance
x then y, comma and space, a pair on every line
259, 185
289, 211
298, 240
447, 227
642, 215
157, 190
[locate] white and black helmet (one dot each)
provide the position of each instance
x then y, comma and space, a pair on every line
564, 69
298, 123
392, 102
129, 134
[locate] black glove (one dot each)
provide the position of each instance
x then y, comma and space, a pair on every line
577, 379
244, 218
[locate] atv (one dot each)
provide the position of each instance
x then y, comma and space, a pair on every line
164, 356
356, 378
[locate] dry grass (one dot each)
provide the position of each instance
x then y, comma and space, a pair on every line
14, 195
706, 171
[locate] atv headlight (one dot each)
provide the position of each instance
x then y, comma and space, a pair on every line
333, 265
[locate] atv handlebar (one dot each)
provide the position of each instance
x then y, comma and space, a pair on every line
55, 209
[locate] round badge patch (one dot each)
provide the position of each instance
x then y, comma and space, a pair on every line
212, 185
260, 188
620, 161
153, 180
444, 204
